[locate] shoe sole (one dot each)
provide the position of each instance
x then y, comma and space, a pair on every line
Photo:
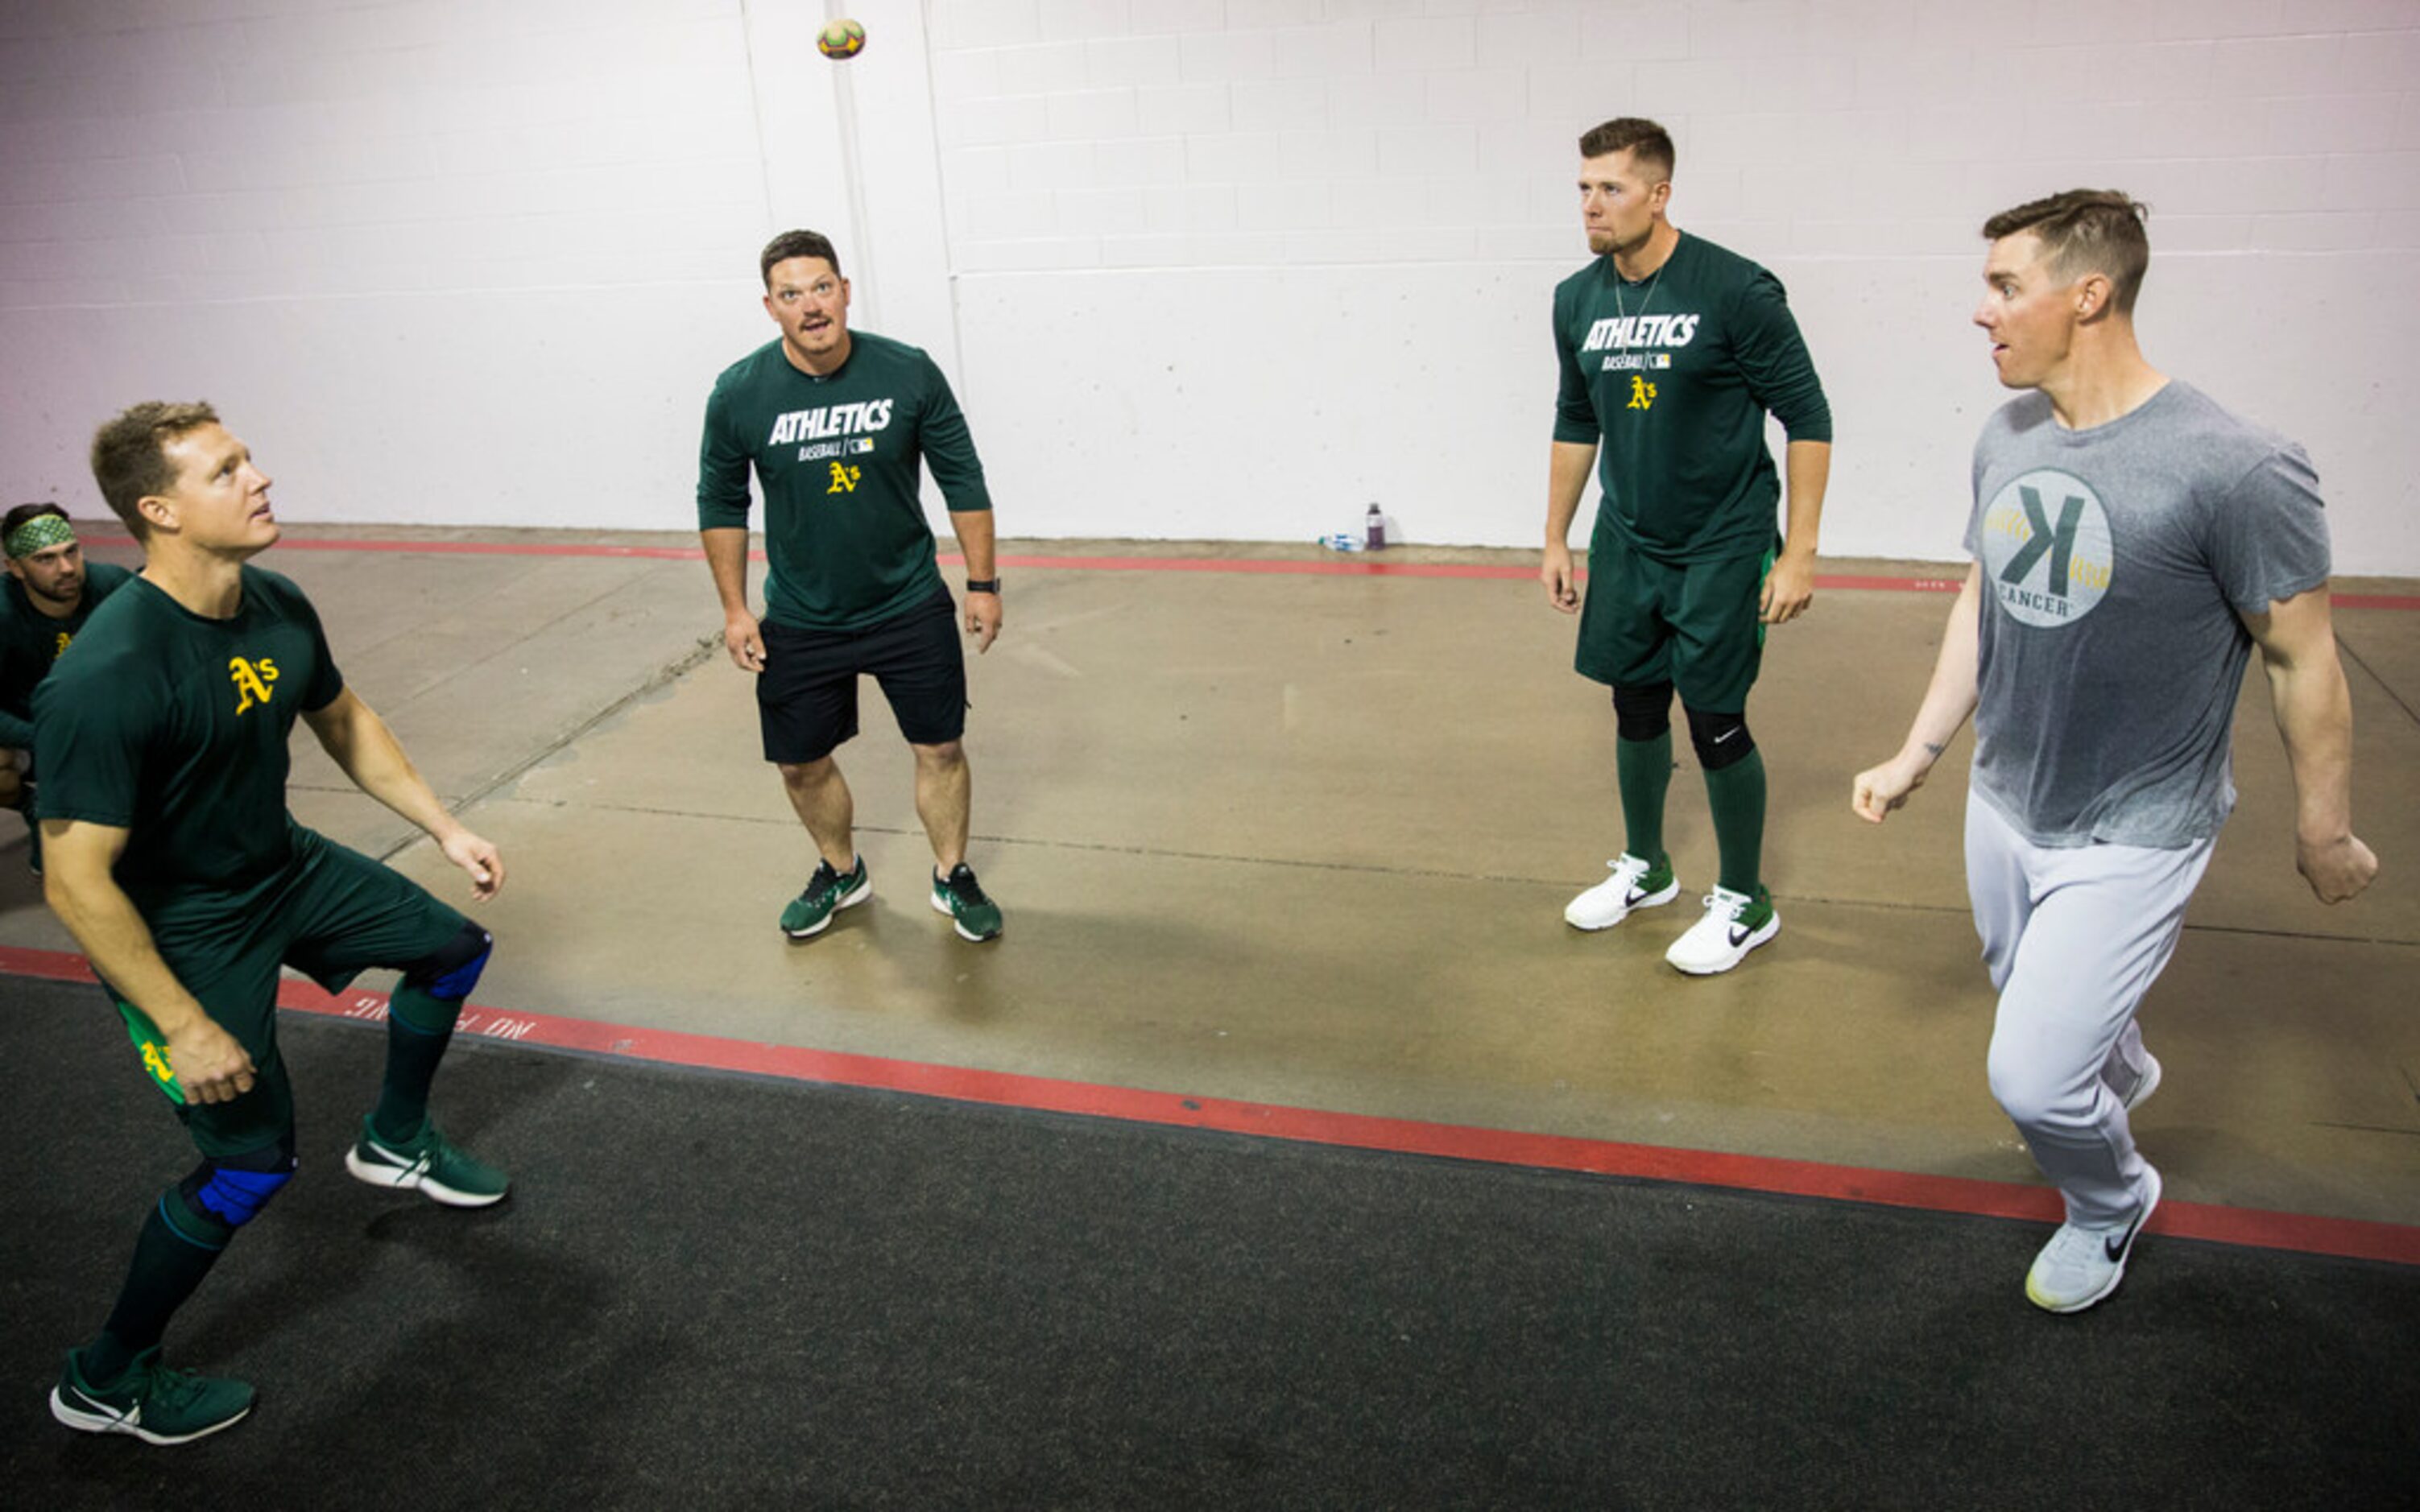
2150, 1205
864, 891
942, 906
1655, 900
1738, 952
402, 1179
83, 1422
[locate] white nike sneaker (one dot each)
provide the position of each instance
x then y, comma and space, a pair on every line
2080, 1266
1635, 884
1733, 925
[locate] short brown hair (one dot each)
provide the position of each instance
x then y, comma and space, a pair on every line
130, 454
791, 244
2087, 231
1648, 145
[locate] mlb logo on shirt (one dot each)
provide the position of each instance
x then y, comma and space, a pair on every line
859, 443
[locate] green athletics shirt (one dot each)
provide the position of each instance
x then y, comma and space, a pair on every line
837, 459
30, 641
172, 726
1675, 373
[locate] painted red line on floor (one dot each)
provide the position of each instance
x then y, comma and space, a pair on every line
2354, 1239
471, 548
1347, 564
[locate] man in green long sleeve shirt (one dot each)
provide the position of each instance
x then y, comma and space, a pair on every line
50, 591
1673, 351
835, 426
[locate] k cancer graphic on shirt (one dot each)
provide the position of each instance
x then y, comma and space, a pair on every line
2047, 549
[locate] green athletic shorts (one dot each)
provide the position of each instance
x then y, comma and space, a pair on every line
1695, 626
332, 913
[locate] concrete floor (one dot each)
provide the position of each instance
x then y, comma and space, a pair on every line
1306, 840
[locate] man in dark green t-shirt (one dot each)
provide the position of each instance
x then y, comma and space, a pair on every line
50, 593
834, 423
162, 737
1673, 352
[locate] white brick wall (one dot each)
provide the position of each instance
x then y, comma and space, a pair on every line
516, 234
1425, 148
1326, 226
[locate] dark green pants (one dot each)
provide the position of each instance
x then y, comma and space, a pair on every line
332, 913
1695, 627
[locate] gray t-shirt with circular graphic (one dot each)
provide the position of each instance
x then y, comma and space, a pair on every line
2116, 562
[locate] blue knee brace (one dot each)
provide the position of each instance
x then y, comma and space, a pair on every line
449, 972
231, 1189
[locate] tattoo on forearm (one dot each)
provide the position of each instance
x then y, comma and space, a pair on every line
1935, 750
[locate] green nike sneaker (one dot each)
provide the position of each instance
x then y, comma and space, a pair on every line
961, 897
1733, 925
150, 1402
428, 1163
1636, 884
827, 892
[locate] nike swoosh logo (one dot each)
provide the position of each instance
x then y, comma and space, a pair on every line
1727, 735
1740, 934
2114, 1247
131, 1414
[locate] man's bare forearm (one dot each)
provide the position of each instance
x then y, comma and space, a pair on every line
2314, 710
365, 749
726, 557
973, 529
1567, 478
1949, 697
1808, 468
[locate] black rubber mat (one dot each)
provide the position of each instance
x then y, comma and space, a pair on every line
715, 1291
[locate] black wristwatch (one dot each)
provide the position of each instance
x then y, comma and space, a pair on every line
982, 585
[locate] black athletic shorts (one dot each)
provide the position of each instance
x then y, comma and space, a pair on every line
806, 696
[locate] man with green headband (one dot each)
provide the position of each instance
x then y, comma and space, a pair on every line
50, 591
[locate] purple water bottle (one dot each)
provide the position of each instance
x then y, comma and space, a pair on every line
1374, 529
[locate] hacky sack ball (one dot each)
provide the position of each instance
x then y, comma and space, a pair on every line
841, 41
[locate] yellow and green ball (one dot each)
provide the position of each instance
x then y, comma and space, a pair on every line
841, 41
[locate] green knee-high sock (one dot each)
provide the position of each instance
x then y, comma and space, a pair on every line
1736, 795
170, 1259
1642, 769
418, 1028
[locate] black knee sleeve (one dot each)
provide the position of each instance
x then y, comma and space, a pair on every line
1720, 739
1643, 713
229, 1191
449, 972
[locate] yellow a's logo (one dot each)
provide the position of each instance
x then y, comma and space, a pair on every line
60, 649
155, 1060
843, 480
1642, 393
252, 680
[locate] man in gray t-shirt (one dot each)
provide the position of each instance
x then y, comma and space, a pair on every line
2132, 542
2120, 561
